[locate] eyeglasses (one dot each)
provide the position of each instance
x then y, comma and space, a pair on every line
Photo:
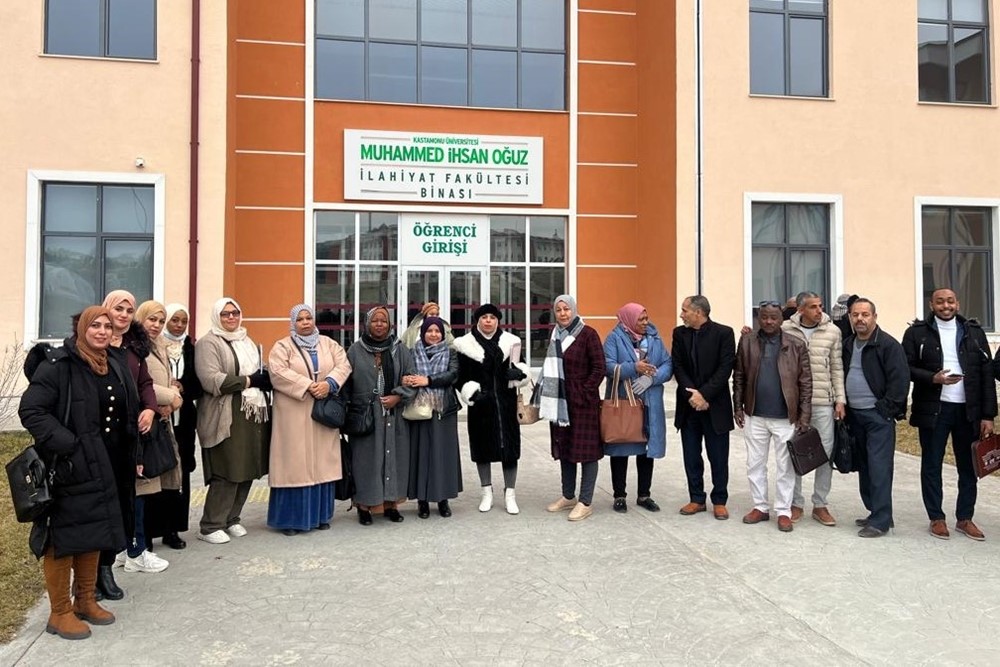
229, 313
764, 304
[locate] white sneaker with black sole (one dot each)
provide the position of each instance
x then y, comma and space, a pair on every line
147, 562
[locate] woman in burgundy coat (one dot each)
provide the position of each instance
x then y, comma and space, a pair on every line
568, 397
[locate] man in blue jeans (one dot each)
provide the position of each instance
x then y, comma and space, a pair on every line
704, 353
877, 379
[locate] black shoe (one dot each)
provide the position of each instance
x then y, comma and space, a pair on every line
323, 526
174, 541
871, 531
620, 505
364, 517
648, 503
98, 595
444, 509
392, 514
423, 509
289, 532
106, 584
861, 523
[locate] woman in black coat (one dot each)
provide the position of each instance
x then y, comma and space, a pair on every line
489, 373
81, 408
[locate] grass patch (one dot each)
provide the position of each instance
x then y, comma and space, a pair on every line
21, 582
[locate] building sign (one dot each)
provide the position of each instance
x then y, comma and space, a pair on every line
453, 168
444, 239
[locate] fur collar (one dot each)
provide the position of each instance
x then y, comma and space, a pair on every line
468, 346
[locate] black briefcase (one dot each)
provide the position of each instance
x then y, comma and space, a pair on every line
806, 450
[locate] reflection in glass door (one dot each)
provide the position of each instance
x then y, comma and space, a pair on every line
458, 291
422, 285
465, 295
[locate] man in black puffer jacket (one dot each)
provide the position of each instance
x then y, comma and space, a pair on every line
953, 393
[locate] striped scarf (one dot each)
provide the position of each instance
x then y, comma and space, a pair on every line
551, 395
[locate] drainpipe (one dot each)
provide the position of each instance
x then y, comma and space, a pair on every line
192, 302
699, 229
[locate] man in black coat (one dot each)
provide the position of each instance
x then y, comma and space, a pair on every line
704, 353
953, 393
876, 380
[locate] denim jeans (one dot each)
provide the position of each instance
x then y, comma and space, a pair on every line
951, 420
876, 440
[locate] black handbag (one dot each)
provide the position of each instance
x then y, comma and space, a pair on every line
30, 481
330, 411
806, 451
844, 447
360, 418
344, 488
157, 451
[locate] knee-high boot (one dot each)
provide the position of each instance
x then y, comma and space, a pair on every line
62, 620
85, 578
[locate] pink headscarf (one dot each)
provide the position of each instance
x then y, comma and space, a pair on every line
117, 296
628, 315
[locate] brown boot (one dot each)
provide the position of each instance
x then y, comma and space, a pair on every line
62, 620
85, 578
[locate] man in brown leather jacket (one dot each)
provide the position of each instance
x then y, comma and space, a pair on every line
772, 399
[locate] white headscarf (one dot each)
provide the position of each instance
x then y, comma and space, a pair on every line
254, 402
174, 344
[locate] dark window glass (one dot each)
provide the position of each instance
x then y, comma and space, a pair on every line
335, 310
542, 76
494, 22
392, 19
444, 75
507, 238
494, 79
767, 54
507, 292
335, 232
340, 69
788, 48
102, 28
392, 72
340, 18
548, 240
543, 24
444, 21
958, 254
790, 250
379, 236
95, 238
132, 29
953, 51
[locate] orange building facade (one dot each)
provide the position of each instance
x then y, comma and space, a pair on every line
351, 203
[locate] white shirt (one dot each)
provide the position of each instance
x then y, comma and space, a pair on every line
948, 330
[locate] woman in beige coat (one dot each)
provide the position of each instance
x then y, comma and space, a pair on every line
305, 455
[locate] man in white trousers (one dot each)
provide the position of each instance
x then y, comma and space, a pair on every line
772, 399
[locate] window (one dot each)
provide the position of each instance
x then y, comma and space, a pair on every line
481, 53
790, 250
101, 28
788, 47
94, 238
952, 52
958, 254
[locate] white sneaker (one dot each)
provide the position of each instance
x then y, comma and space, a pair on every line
218, 537
145, 562
510, 501
486, 504
120, 559
236, 530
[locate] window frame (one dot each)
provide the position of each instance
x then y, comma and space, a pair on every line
469, 48
950, 24
37, 179
105, 18
835, 242
787, 15
993, 204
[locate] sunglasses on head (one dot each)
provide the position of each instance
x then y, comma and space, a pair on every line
764, 304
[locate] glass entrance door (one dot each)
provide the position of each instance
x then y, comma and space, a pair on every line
459, 291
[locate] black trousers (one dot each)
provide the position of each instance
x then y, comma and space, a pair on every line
698, 427
619, 470
951, 420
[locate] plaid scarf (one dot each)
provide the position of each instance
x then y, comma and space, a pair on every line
431, 360
551, 394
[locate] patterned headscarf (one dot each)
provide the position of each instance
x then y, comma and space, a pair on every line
309, 341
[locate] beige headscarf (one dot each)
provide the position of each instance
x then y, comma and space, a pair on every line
254, 401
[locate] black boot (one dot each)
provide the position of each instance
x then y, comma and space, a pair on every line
106, 584
423, 509
444, 509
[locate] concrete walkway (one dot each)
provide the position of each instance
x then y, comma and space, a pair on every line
626, 589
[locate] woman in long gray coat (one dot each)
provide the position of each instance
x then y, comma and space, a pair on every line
381, 458
435, 463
